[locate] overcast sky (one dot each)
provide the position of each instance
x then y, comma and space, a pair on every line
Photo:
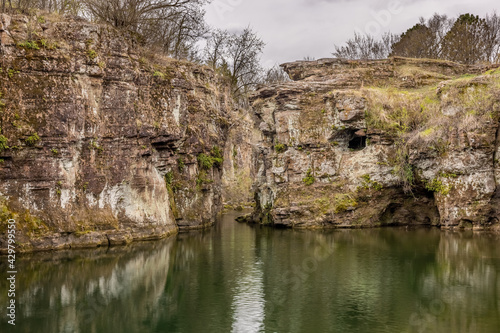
294, 29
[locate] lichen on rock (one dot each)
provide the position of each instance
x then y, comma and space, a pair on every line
93, 124
389, 142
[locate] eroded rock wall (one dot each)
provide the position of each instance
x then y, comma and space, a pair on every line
104, 143
372, 143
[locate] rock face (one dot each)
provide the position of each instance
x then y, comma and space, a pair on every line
371, 143
103, 144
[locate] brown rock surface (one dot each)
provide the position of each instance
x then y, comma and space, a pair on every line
353, 135
104, 139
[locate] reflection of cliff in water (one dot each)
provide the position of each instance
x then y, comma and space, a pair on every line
461, 293
217, 282
103, 290
345, 281
240, 278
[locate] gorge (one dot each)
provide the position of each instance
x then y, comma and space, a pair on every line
103, 142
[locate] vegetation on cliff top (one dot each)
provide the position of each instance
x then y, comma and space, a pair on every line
435, 118
469, 39
176, 28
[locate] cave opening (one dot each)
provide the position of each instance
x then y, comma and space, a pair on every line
358, 142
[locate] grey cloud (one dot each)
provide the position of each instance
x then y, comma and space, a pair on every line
293, 29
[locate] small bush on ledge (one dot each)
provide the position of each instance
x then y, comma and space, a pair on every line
280, 148
32, 139
309, 179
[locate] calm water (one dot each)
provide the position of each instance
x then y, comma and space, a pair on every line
239, 278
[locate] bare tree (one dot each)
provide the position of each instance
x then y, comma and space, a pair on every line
177, 30
275, 74
132, 13
237, 56
215, 51
366, 47
493, 38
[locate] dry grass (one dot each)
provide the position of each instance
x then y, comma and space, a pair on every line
427, 118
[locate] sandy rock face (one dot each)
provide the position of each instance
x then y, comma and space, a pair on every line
353, 144
102, 144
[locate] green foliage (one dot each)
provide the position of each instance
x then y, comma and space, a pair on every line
11, 72
215, 158
448, 175
180, 164
35, 45
309, 178
205, 162
368, 183
92, 54
3, 143
437, 186
29, 45
32, 139
159, 74
280, 148
169, 178
343, 202
54, 151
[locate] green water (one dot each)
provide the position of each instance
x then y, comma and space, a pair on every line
240, 278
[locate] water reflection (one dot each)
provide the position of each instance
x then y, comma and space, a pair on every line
238, 278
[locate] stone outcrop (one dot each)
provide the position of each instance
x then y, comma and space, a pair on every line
102, 143
373, 143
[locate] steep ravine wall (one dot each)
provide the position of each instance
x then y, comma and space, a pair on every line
374, 143
103, 143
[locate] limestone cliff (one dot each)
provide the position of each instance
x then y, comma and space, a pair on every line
103, 143
371, 143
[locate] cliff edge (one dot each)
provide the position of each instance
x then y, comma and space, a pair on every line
384, 142
104, 143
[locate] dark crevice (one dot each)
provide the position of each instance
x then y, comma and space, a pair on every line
350, 138
358, 142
